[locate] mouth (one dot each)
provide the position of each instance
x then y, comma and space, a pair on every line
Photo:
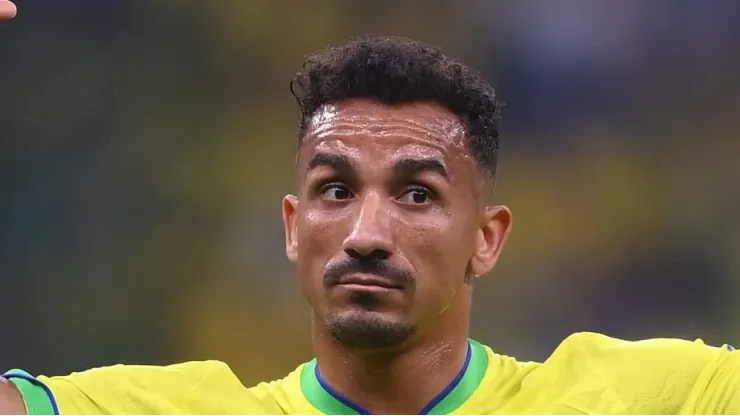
367, 282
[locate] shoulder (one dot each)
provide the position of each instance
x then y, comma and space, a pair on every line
594, 346
287, 393
190, 387
185, 376
629, 359
653, 375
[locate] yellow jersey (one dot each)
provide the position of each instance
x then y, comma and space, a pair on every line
587, 374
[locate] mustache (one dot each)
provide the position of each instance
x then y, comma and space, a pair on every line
335, 271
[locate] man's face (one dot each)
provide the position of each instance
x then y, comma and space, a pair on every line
389, 224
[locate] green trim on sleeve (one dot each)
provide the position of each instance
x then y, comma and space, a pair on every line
35, 396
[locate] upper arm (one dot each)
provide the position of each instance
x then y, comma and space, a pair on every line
11, 402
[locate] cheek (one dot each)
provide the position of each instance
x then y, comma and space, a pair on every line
438, 249
319, 237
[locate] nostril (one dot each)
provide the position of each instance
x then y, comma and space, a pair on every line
352, 253
376, 254
379, 255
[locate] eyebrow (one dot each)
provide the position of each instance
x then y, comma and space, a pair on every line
413, 167
404, 168
339, 163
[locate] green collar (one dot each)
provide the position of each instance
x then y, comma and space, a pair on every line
327, 400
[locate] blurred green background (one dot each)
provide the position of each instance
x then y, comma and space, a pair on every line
145, 146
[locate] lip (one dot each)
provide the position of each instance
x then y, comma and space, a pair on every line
366, 281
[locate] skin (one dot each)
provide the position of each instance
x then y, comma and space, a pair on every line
394, 186
7, 10
11, 402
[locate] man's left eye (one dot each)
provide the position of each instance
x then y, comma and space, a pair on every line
416, 196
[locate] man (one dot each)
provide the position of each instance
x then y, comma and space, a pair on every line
392, 225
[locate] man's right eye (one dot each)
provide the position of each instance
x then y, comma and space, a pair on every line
336, 192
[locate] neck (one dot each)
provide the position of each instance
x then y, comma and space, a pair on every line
393, 382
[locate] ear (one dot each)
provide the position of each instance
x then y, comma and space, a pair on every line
491, 238
290, 205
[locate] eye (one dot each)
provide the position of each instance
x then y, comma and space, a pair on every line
336, 192
416, 196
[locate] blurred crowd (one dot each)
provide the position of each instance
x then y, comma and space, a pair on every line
145, 146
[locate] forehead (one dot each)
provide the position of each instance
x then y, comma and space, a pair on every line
367, 129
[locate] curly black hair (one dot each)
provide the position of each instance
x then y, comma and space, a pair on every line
396, 70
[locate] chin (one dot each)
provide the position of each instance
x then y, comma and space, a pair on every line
362, 329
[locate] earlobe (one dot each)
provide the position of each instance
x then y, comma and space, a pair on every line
290, 205
491, 238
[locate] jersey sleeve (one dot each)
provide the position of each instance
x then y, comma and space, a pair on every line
188, 388
720, 387
37, 397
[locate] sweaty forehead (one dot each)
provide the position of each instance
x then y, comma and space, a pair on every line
354, 124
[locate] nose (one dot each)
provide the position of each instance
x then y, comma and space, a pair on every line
371, 231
